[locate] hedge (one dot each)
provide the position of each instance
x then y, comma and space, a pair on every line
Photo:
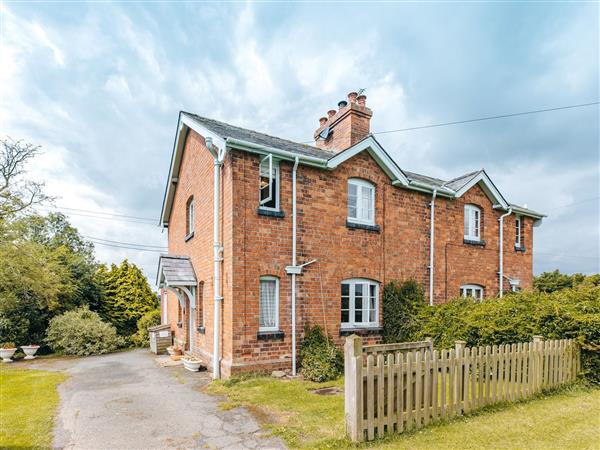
517, 317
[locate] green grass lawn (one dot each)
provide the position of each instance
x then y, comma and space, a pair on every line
28, 401
569, 419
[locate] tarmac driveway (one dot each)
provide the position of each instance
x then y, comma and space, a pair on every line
126, 401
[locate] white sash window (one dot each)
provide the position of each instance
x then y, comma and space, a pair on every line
472, 223
269, 304
361, 201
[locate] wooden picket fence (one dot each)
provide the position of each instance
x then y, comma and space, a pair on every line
395, 387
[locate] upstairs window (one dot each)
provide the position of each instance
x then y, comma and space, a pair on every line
269, 304
361, 201
518, 225
189, 222
269, 183
472, 290
360, 303
472, 223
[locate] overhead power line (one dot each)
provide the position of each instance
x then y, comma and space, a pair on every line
105, 213
127, 247
114, 219
160, 247
481, 119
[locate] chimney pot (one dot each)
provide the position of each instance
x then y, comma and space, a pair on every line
342, 104
323, 121
352, 97
362, 100
331, 113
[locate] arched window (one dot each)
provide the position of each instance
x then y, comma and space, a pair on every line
472, 290
360, 303
189, 222
268, 304
472, 223
361, 201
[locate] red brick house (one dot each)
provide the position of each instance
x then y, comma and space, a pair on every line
267, 235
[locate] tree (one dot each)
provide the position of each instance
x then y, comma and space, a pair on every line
16, 193
127, 296
555, 281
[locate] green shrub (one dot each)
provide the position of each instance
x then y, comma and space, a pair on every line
320, 359
568, 313
402, 303
82, 332
148, 320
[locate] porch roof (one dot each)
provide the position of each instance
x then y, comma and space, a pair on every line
175, 271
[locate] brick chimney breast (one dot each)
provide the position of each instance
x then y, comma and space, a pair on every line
347, 126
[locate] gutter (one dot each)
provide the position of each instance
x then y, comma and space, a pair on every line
282, 154
501, 252
431, 246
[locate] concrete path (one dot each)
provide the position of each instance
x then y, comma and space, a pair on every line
125, 401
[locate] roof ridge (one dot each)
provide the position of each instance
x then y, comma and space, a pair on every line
470, 174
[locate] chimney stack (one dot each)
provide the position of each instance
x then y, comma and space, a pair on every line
346, 126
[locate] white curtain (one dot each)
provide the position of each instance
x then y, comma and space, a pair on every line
268, 303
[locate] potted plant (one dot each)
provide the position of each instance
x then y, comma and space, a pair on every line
30, 350
191, 363
7, 350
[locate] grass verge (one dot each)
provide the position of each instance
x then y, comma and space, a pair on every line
568, 419
28, 402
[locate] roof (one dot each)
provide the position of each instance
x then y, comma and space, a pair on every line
223, 135
434, 182
225, 131
175, 271
459, 182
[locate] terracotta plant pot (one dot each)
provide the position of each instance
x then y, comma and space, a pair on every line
6, 354
29, 351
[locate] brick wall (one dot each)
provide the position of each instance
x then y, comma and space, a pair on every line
256, 245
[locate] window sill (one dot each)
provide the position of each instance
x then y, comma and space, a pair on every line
480, 243
362, 226
270, 335
201, 330
520, 249
366, 331
188, 237
270, 213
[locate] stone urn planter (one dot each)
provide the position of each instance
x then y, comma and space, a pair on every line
29, 351
7, 350
192, 364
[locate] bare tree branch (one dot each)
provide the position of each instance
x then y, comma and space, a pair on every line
18, 194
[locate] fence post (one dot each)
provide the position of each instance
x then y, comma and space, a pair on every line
459, 349
353, 387
430, 343
539, 362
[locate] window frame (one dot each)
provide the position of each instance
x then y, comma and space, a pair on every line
190, 217
274, 166
469, 213
352, 324
473, 287
262, 329
360, 185
518, 232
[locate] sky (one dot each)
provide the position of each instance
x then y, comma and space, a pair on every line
99, 86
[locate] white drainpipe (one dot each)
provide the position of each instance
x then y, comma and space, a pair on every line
294, 265
501, 252
217, 250
431, 246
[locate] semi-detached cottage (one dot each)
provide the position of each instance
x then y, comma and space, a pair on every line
267, 235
